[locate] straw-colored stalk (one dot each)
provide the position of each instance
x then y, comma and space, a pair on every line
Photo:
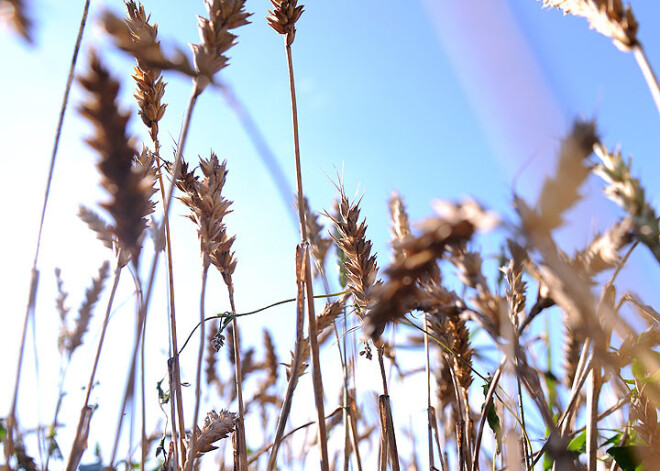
282, 19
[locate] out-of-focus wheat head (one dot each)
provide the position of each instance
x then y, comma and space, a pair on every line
608, 17
15, 12
628, 192
129, 189
283, 18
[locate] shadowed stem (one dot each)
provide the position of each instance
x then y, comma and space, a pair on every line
313, 331
34, 282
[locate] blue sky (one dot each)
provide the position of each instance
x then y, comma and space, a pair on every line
434, 99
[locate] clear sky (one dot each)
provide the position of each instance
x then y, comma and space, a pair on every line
432, 98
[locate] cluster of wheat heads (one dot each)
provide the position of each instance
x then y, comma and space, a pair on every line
491, 401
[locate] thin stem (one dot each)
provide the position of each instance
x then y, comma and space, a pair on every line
593, 392
250, 313
74, 458
649, 75
293, 380
263, 149
198, 381
238, 374
175, 379
34, 281
317, 381
185, 126
129, 391
487, 403
428, 394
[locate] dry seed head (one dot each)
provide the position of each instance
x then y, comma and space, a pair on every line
92, 295
351, 239
270, 362
129, 191
15, 11
215, 38
330, 312
561, 191
627, 192
573, 342
95, 223
142, 46
608, 17
400, 226
402, 291
209, 207
603, 251
216, 427
283, 18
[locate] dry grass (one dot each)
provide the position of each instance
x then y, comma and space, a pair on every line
483, 365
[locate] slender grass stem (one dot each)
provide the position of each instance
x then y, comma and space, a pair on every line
198, 377
238, 374
317, 380
649, 75
295, 364
75, 455
34, 281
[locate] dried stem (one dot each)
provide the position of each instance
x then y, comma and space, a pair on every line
34, 280
74, 456
198, 378
649, 75
283, 19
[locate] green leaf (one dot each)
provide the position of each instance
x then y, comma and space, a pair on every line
493, 419
579, 443
343, 272
612, 440
626, 458
163, 397
3, 430
642, 374
547, 462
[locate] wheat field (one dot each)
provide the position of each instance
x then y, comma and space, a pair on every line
268, 235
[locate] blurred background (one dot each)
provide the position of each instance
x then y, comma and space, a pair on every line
429, 98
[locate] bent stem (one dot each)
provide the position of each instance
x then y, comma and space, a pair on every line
34, 281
